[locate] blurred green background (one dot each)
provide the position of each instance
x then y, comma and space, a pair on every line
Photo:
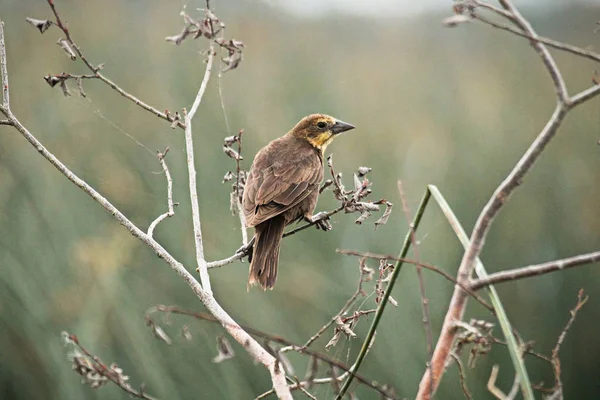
451, 107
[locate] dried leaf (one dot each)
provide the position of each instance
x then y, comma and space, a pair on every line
160, 333
65, 88
232, 61
224, 349
357, 183
41, 24
177, 39
455, 20
386, 215
185, 332
363, 217
64, 44
232, 153
80, 87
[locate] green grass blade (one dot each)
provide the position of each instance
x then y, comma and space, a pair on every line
384, 300
513, 347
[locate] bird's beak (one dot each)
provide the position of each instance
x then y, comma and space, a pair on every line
341, 126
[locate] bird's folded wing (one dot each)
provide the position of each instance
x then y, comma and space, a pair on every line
277, 188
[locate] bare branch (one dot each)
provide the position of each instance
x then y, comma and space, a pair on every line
257, 352
549, 42
170, 204
535, 270
189, 148
4, 73
96, 70
581, 300
458, 302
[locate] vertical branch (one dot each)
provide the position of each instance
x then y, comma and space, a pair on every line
4, 72
189, 147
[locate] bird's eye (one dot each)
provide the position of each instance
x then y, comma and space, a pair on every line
321, 124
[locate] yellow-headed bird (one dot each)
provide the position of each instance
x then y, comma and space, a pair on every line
283, 187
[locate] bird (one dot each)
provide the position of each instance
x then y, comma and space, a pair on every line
282, 187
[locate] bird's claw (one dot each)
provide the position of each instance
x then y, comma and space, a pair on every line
322, 221
246, 250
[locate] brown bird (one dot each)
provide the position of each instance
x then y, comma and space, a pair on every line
283, 187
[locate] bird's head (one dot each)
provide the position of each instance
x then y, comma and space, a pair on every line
319, 130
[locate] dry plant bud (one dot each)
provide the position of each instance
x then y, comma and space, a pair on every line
229, 140
228, 176
325, 185
362, 171
185, 333
64, 44
52, 80
224, 350
41, 24
455, 20
232, 153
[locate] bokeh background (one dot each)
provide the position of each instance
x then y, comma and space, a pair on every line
451, 107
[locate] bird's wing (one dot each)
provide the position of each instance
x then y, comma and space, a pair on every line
275, 184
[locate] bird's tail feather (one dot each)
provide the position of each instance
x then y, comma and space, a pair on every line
263, 267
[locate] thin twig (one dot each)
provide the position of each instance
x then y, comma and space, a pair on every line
322, 217
535, 270
343, 310
424, 300
276, 339
111, 373
111, 84
462, 376
581, 300
170, 204
189, 148
430, 267
549, 42
240, 254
